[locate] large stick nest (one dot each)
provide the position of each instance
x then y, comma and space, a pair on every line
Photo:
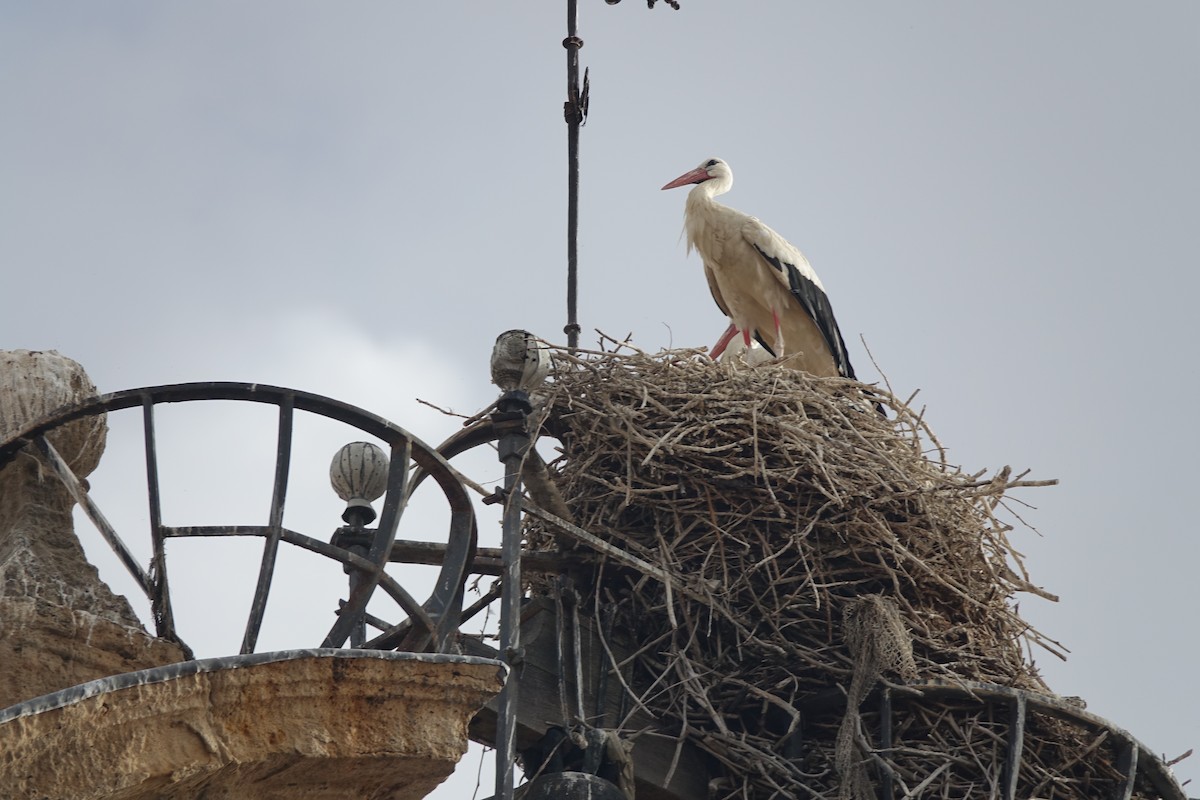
814, 547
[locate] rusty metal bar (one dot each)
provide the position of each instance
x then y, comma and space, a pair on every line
266, 570
160, 600
94, 514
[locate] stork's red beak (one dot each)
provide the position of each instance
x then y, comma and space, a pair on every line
698, 175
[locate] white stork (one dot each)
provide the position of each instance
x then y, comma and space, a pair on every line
763, 284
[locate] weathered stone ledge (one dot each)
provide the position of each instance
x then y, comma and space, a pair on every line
296, 724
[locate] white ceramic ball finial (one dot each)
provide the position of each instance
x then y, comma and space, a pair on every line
519, 361
359, 475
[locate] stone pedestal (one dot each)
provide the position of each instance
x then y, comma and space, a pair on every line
297, 725
44, 648
59, 623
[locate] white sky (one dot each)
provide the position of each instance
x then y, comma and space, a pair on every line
354, 199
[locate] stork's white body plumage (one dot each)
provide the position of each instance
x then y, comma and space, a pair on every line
761, 282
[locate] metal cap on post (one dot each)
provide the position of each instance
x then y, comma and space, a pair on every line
520, 363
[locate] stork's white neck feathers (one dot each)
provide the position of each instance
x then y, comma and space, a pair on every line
701, 212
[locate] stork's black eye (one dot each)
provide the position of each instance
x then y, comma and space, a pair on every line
712, 163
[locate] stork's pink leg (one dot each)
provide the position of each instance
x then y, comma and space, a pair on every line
723, 342
778, 335
746, 337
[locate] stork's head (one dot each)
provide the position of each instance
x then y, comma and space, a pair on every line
714, 169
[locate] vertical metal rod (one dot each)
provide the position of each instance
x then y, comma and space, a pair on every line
560, 643
510, 628
574, 117
266, 569
1016, 744
160, 603
358, 633
577, 651
445, 605
510, 419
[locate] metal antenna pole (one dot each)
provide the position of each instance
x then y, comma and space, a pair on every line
575, 111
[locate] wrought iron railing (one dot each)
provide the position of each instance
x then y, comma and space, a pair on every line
430, 625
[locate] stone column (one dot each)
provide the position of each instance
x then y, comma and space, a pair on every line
60, 625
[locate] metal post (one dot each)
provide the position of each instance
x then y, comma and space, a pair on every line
355, 538
509, 419
574, 111
358, 634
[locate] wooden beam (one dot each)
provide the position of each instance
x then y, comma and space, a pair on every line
656, 753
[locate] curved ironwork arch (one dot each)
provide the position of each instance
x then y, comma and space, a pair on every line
433, 622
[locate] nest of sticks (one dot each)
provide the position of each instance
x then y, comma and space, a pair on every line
803, 548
